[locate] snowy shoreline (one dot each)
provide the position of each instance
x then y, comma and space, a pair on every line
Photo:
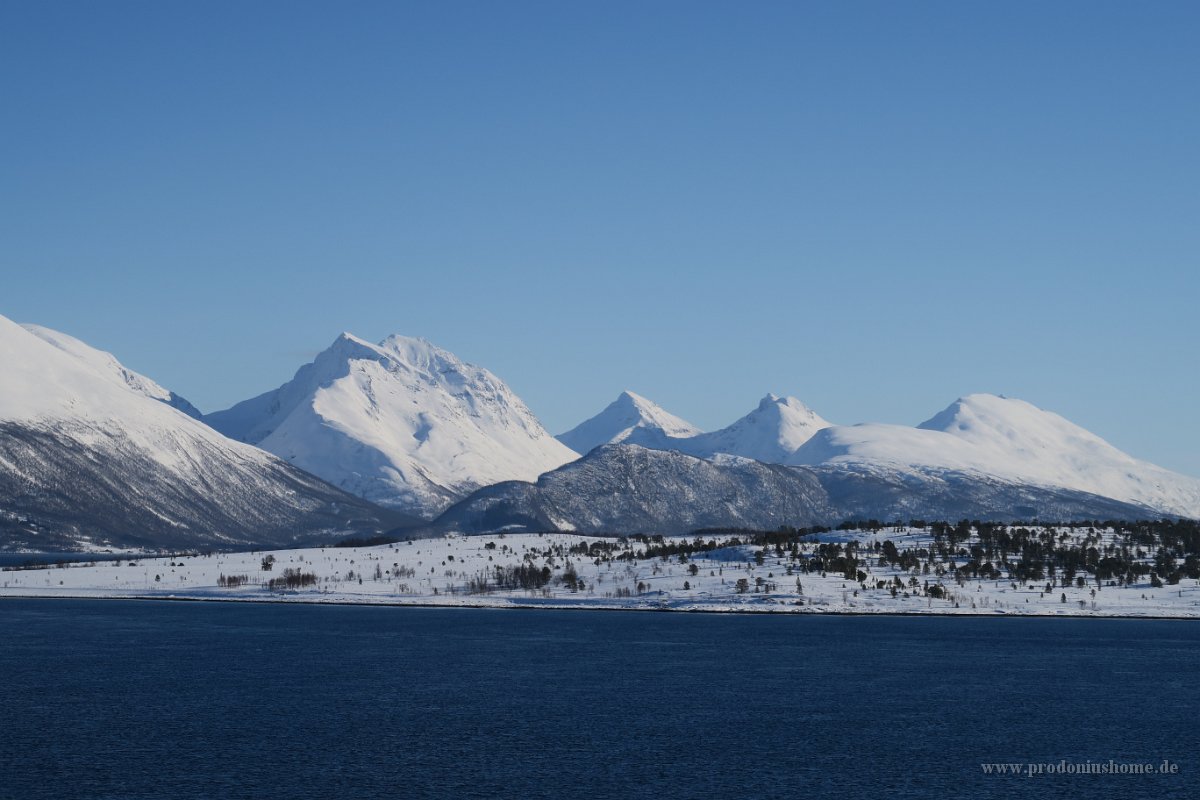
894, 571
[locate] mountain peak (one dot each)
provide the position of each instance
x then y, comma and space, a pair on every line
774, 430
989, 410
628, 399
403, 423
631, 419
345, 347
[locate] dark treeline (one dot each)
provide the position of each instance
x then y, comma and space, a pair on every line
509, 577
292, 579
1070, 555
1166, 551
368, 541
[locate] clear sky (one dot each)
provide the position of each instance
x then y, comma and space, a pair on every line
875, 207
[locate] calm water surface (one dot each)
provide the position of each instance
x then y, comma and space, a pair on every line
125, 699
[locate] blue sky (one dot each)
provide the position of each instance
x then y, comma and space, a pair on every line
875, 207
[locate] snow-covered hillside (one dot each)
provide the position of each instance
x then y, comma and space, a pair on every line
625, 488
402, 423
1009, 439
107, 364
90, 456
630, 419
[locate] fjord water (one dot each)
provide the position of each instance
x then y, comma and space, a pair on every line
129, 699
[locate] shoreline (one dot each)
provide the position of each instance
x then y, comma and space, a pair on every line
747, 610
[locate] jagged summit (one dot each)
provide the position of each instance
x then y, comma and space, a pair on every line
403, 423
631, 419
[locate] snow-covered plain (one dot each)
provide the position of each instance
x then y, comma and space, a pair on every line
617, 574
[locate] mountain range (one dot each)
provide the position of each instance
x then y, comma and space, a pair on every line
772, 432
404, 436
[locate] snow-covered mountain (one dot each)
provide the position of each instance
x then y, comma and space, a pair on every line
625, 488
771, 432
630, 419
1008, 439
402, 423
93, 455
107, 364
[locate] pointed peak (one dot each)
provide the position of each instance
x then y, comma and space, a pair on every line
346, 337
628, 398
630, 418
347, 346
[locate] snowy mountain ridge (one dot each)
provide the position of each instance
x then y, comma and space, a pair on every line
770, 433
107, 364
979, 436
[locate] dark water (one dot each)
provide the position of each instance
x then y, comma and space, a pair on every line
191, 700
